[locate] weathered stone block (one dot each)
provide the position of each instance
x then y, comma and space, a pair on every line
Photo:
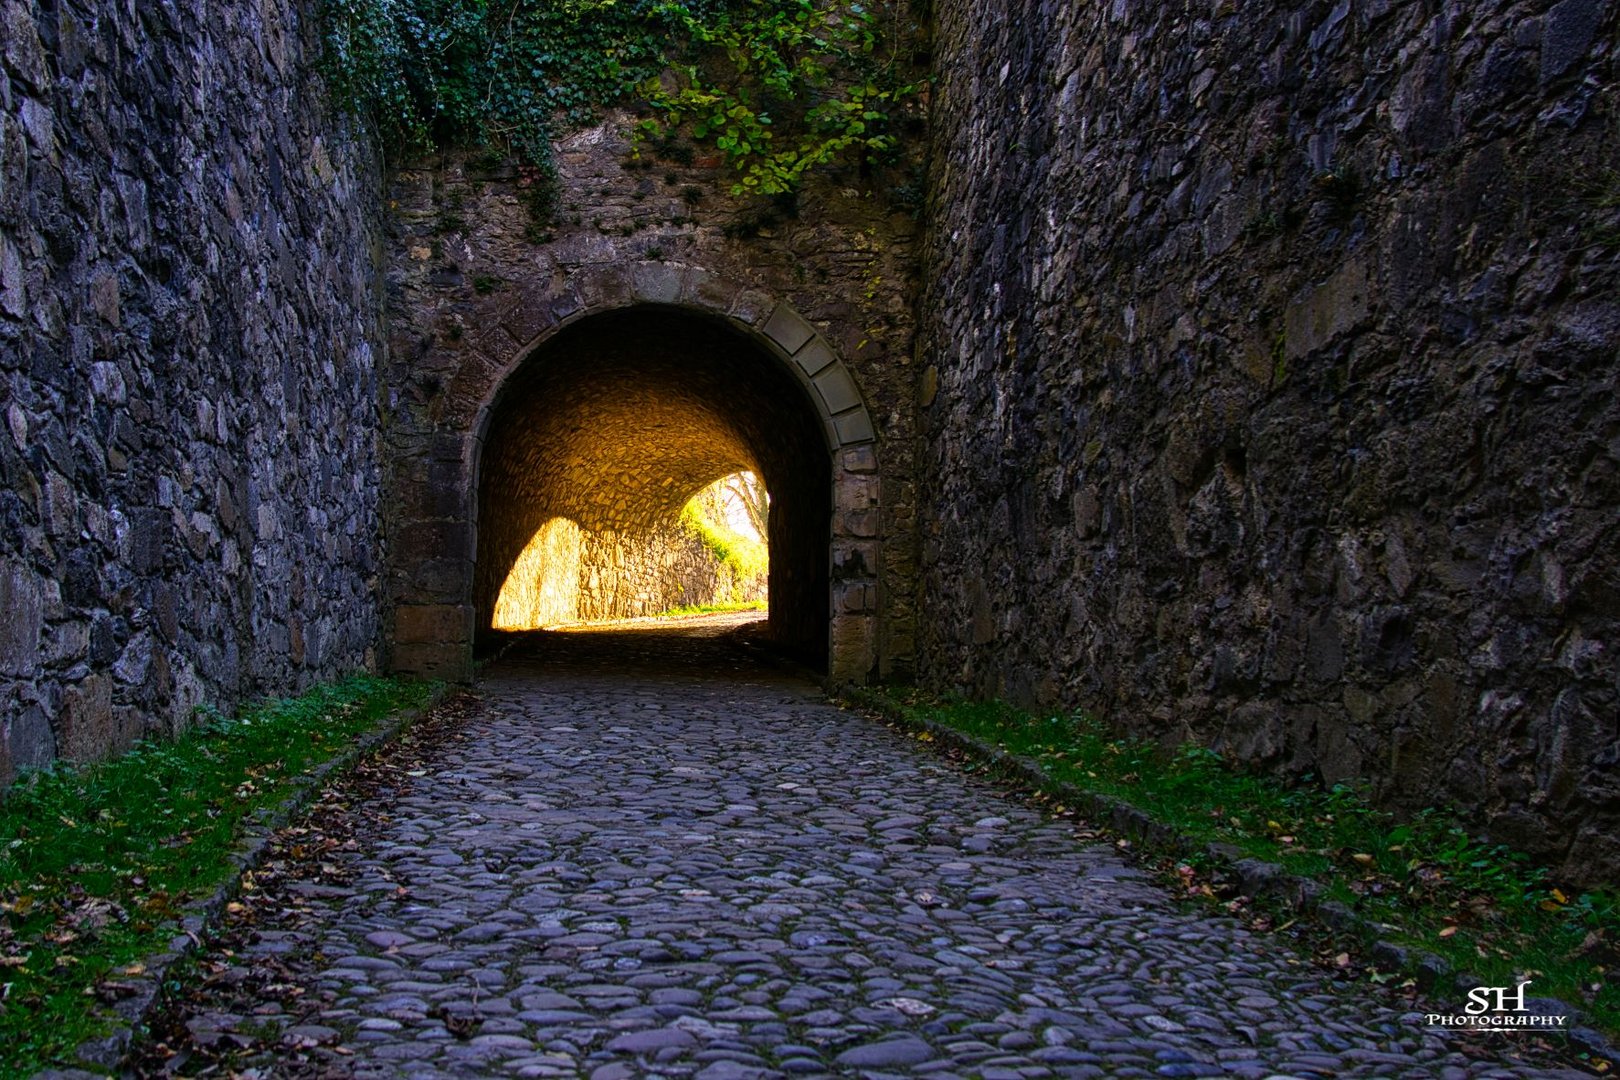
22, 622
854, 560
708, 291
427, 623
854, 426
814, 358
855, 598
837, 390
656, 283
857, 493
601, 288
434, 660
859, 459
529, 317
30, 743
1329, 310
787, 329
861, 524
1567, 33
86, 726
752, 308
440, 580
853, 652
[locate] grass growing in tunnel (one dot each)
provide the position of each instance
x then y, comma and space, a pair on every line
728, 516
745, 557
1483, 907
96, 862
714, 609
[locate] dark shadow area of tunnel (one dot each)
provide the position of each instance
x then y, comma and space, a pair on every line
725, 648
616, 421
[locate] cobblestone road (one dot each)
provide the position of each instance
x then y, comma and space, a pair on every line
649, 856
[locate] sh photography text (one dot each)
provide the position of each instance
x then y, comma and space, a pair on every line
1499, 1008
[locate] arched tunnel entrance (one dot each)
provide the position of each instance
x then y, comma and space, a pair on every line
572, 417
600, 436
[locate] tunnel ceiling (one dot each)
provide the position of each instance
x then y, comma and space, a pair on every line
615, 447
618, 420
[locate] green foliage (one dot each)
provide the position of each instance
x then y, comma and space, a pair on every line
789, 86
507, 74
96, 862
714, 609
1484, 907
744, 557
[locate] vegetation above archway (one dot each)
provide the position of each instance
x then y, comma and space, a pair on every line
778, 87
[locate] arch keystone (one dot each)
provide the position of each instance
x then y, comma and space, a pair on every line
656, 283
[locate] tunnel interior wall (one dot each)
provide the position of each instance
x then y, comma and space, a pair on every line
1272, 399
189, 308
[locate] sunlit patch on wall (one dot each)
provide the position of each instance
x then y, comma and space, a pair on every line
543, 587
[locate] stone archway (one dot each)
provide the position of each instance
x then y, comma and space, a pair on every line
435, 454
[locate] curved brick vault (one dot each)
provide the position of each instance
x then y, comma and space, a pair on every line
606, 401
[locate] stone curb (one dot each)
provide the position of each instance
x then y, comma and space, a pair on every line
1256, 878
104, 1056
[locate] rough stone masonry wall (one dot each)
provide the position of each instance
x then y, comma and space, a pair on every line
670, 567
472, 279
1273, 400
188, 477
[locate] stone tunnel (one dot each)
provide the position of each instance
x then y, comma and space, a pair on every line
600, 438
571, 427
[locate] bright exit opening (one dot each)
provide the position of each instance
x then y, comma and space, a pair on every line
713, 557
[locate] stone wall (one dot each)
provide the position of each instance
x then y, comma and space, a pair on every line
189, 309
648, 574
823, 290
1270, 396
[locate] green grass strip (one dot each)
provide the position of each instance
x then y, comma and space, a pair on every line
96, 862
1483, 907
713, 609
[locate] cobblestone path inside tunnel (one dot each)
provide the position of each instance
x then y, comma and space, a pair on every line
641, 853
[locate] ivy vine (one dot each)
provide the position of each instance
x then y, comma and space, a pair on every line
778, 87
